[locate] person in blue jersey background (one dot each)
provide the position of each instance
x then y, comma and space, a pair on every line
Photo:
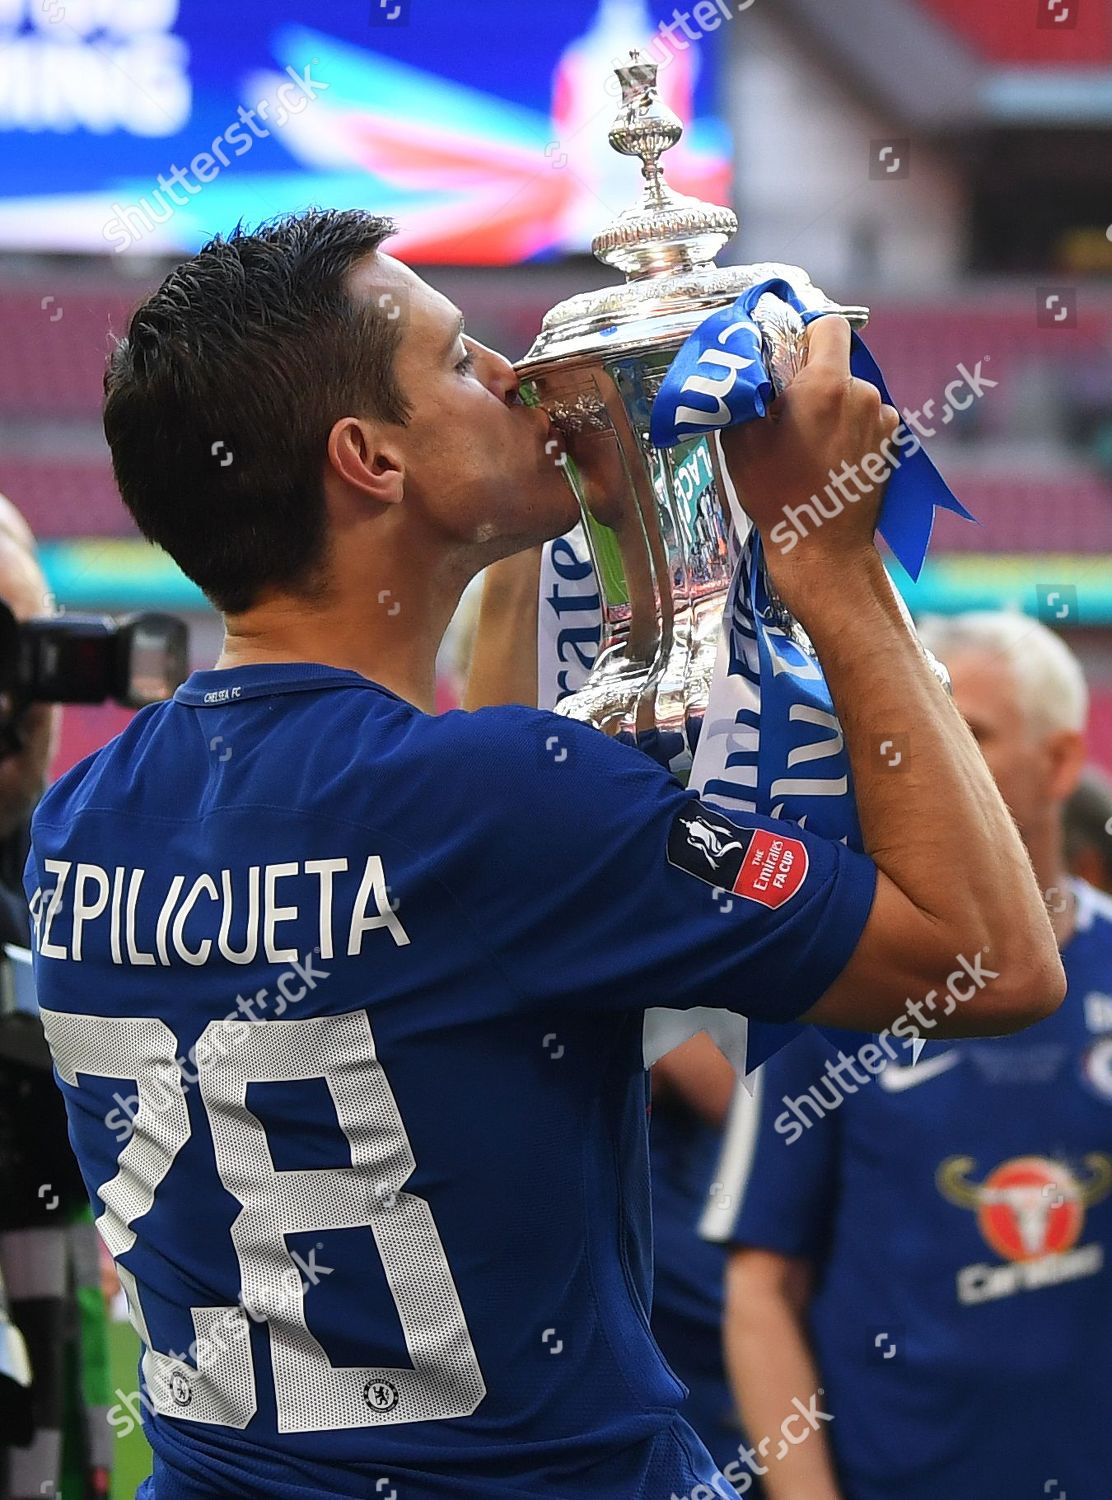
347, 999
930, 1242
691, 1091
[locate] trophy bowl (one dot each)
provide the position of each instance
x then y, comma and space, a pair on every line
660, 523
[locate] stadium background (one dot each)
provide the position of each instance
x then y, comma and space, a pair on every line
946, 164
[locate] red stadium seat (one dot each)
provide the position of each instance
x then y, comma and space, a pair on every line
1028, 513
66, 499
55, 341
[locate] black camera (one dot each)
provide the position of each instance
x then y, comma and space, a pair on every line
137, 660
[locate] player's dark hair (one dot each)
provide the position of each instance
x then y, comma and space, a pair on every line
219, 402
1087, 820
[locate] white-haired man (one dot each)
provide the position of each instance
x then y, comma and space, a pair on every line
926, 1241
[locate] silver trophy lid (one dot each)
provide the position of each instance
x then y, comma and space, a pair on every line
666, 245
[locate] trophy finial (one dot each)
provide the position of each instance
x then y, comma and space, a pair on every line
637, 75
665, 232
645, 126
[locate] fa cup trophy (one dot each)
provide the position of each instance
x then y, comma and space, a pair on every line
657, 520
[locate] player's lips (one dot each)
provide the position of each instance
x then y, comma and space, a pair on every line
550, 433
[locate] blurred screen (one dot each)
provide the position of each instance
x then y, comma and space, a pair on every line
146, 126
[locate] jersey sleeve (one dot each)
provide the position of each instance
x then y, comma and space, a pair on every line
779, 1164
600, 880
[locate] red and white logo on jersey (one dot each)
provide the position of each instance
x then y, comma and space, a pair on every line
751, 862
773, 869
1031, 1211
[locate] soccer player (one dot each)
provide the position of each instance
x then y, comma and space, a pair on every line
348, 1023
928, 1242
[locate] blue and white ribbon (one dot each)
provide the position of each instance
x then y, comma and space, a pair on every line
718, 379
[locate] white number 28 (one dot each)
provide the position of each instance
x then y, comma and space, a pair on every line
311, 1393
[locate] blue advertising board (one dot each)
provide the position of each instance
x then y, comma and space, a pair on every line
146, 126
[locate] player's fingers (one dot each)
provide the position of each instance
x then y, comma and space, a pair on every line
828, 345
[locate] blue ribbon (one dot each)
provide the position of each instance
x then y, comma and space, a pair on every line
726, 353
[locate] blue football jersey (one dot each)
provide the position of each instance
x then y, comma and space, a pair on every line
959, 1212
688, 1271
346, 1001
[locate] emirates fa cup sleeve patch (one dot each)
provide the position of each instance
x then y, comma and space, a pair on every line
751, 862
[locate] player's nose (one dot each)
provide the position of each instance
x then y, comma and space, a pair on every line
501, 377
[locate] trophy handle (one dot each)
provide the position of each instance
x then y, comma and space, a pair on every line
618, 509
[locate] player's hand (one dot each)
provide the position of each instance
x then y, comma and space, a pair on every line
824, 425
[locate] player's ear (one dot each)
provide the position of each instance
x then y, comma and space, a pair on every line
1067, 760
363, 456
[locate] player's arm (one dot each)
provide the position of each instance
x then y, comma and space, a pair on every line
954, 878
771, 1364
504, 655
697, 1073
782, 1188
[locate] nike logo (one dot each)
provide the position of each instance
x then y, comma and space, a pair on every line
895, 1079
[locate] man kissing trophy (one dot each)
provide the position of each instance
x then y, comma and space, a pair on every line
698, 661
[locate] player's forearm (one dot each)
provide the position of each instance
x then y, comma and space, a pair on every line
771, 1367
931, 816
504, 655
